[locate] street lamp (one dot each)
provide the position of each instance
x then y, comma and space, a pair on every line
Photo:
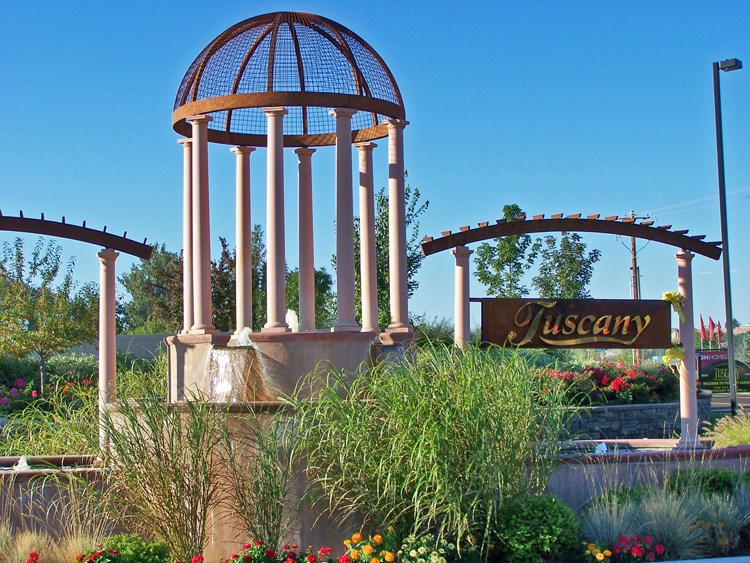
726, 66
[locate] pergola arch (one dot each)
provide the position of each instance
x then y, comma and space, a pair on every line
573, 223
107, 256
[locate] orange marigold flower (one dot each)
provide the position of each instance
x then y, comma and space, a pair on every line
389, 557
367, 549
378, 539
356, 538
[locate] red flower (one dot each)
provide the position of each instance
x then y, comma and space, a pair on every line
659, 549
197, 559
623, 540
291, 556
617, 549
637, 551
257, 542
325, 551
235, 557
311, 558
648, 540
270, 553
79, 557
345, 559
247, 545
650, 556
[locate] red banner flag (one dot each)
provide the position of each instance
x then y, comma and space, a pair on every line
703, 330
718, 334
711, 329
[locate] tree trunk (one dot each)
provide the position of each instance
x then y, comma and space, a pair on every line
42, 373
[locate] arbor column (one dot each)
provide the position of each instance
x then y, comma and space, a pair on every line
107, 336
275, 245
345, 295
462, 330
397, 269
202, 322
243, 229
306, 246
367, 256
187, 235
688, 391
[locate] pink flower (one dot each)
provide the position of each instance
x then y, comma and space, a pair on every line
20, 383
13, 392
34, 394
659, 549
637, 551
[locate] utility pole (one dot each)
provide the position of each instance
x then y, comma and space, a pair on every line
636, 280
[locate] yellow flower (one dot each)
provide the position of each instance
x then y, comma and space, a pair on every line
600, 557
674, 353
677, 301
354, 554
389, 557
377, 539
367, 549
389, 528
607, 553
347, 543
591, 547
356, 538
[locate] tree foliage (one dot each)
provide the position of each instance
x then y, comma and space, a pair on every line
564, 266
414, 210
501, 264
155, 287
565, 269
38, 313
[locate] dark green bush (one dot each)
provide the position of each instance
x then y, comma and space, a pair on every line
706, 480
536, 530
132, 548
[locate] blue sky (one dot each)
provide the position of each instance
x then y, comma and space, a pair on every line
560, 107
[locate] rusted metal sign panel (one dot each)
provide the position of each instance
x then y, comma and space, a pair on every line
576, 323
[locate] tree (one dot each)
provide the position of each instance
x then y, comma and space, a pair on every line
565, 269
38, 315
414, 257
155, 288
501, 264
325, 298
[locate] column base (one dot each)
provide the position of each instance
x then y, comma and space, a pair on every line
399, 327
346, 326
203, 330
280, 327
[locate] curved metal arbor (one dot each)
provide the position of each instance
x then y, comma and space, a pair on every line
573, 223
306, 63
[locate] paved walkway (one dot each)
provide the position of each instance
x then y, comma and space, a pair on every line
720, 403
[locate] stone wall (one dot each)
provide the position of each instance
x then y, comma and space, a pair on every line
653, 420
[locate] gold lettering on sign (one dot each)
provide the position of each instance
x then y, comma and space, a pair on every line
535, 315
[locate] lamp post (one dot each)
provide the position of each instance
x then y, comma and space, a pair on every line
726, 66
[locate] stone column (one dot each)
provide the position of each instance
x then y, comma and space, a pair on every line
202, 318
688, 397
107, 337
306, 247
399, 292
275, 244
345, 313
462, 330
367, 256
187, 235
243, 226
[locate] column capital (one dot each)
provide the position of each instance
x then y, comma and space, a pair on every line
684, 255
462, 252
107, 255
395, 123
365, 146
242, 150
342, 112
199, 118
275, 110
304, 151
186, 141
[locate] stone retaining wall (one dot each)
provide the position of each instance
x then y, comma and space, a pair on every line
653, 420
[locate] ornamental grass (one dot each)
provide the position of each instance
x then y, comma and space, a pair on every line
434, 445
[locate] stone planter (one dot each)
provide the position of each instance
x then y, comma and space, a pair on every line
652, 420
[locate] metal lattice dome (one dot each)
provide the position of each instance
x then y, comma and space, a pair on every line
306, 63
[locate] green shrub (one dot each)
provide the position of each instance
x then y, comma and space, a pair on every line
435, 445
703, 480
731, 431
132, 548
537, 529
